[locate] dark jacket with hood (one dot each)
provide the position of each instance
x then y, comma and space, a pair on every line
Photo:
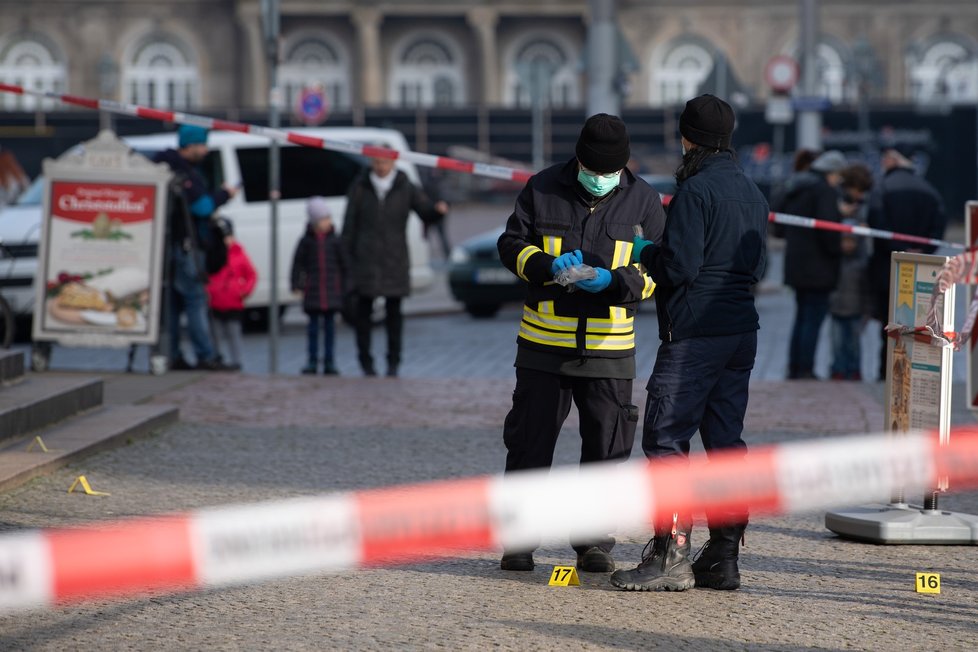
375, 234
320, 271
811, 256
199, 200
713, 250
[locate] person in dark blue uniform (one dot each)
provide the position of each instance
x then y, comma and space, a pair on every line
712, 252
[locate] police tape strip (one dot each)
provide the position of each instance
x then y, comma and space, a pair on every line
231, 545
426, 160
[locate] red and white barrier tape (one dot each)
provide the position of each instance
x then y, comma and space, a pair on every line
248, 543
426, 160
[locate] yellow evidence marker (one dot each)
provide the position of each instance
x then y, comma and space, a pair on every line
37, 441
928, 583
83, 481
564, 576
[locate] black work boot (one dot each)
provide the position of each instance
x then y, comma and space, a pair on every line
716, 566
595, 560
665, 564
517, 561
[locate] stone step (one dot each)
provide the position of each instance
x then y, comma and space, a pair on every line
99, 429
38, 402
11, 366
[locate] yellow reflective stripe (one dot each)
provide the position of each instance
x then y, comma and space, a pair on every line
551, 244
624, 325
649, 287
532, 334
610, 342
523, 257
548, 319
545, 307
623, 253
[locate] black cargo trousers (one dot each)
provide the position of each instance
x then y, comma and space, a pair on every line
541, 403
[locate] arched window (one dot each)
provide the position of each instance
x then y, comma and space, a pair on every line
831, 64
946, 71
160, 74
314, 60
28, 62
683, 69
535, 59
427, 71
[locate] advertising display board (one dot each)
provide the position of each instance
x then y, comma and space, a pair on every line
100, 256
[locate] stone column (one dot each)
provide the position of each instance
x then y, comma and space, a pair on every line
367, 21
484, 20
254, 81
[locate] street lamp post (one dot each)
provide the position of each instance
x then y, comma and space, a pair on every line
270, 15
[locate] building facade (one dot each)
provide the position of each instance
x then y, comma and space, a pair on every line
212, 54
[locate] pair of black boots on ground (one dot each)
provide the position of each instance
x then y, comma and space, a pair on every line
329, 369
666, 563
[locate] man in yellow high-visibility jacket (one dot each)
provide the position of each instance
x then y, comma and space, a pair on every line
578, 341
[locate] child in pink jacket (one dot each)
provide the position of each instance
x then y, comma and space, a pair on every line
227, 290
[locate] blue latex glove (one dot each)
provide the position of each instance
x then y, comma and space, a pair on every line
598, 283
638, 244
563, 261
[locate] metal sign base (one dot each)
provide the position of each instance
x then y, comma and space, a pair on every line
902, 523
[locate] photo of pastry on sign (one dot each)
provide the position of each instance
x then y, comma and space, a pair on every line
113, 299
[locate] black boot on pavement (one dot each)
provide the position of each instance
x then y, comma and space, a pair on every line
517, 561
595, 560
665, 563
716, 566
329, 369
310, 368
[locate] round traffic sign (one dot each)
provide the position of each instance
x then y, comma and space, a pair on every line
312, 106
781, 73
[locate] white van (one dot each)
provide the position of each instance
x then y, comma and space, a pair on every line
239, 160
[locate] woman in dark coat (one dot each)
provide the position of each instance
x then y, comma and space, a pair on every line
375, 239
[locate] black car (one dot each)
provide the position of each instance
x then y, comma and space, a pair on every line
478, 279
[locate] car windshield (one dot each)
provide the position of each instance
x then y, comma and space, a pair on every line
32, 196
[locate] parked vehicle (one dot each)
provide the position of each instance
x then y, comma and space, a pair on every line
238, 160
478, 279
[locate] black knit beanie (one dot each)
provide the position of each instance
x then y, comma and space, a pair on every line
603, 144
707, 121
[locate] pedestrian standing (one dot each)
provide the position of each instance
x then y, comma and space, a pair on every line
374, 235
849, 303
191, 206
811, 257
320, 273
712, 252
227, 291
577, 343
905, 202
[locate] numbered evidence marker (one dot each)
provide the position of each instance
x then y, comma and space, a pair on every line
564, 576
928, 583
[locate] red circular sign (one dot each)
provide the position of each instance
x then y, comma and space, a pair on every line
781, 73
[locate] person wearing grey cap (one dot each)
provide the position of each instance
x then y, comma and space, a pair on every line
576, 342
812, 257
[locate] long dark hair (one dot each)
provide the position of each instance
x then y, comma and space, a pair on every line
693, 159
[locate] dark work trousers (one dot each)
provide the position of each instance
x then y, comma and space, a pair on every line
393, 320
699, 383
811, 308
541, 403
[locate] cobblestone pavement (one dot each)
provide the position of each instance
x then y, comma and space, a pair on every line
252, 437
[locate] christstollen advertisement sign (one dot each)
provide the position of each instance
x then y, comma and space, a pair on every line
101, 250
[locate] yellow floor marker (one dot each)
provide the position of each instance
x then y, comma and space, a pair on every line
39, 443
81, 480
564, 576
928, 583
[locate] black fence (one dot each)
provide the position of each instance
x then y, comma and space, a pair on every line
946, 142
